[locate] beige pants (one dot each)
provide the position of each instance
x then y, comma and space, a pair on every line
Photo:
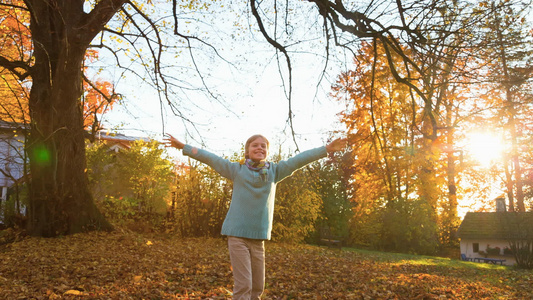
248, 263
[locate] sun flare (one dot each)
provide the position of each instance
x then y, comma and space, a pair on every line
484, 148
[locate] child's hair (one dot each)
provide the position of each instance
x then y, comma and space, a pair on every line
250, 140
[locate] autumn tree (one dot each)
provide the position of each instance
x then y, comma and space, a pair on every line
15, 46
61, 33
17, 66
507, 42
379, 118
404, 142
441, 81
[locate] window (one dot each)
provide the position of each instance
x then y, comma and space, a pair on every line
475, 247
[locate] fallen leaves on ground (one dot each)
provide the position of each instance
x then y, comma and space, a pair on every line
125, 265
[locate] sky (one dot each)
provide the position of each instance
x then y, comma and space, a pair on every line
252, 100
260, 107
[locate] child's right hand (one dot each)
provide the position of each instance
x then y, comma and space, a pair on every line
337, 145
171, 141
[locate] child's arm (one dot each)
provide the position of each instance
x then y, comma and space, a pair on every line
223, 166
336, 145
171, 141
287, 167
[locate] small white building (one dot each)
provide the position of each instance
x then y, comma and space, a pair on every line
487, 236
11, 155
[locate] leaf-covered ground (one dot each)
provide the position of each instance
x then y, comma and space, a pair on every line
124, 265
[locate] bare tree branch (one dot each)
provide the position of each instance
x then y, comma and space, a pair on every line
14, 6
99, 16
283, 50
15, 66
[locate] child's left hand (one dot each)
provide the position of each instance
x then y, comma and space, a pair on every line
337, 145
171, 141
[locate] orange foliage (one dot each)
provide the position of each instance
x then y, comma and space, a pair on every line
15, 39
15, 45
99, 98
123, 265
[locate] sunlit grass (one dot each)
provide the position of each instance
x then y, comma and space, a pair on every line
411, 259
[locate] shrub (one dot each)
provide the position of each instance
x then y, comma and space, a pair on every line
493, 251
131, 186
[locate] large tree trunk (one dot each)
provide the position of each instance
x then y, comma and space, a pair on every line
60, 200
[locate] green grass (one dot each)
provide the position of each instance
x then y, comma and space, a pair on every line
412, 259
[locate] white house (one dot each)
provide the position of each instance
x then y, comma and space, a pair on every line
11, 155
487, 236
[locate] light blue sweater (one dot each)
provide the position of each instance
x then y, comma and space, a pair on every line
252, 204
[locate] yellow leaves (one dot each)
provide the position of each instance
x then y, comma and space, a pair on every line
75, 292
149, 243
118, 266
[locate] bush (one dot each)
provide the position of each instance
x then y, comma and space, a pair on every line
493, 251
118, 210
523, 253
201, 200
131, 187
298, 206
408, 227
14, 208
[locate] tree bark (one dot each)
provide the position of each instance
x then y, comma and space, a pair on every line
60, 199
510, 110
509, 183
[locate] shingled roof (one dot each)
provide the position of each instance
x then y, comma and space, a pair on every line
496, 225
124, 141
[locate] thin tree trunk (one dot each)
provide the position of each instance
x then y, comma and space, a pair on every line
509, 183
511, 112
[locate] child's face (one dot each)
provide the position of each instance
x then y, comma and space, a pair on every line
258, 149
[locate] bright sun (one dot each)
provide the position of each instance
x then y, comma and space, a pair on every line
485, 148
